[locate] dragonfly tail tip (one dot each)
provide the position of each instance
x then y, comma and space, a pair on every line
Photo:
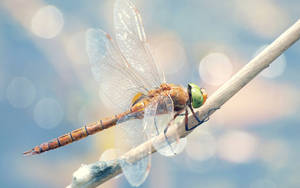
28, 153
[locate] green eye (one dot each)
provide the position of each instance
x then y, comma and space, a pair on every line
196, 95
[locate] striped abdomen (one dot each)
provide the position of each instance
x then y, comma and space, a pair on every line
76, 134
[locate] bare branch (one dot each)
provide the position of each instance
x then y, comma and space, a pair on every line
95, 174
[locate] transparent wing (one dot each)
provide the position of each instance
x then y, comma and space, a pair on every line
130, 134
133, 44
118, 82
157, 115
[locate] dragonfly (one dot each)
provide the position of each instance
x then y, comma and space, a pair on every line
130, 79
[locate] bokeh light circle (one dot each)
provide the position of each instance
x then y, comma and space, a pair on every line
206, 143
276, 68
267, 22
75, 48
168, 52
237, 146
20, 92
47, 22
275, 153
84, 115
215, 68
109, 154
48, 113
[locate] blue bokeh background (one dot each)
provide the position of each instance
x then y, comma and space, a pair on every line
47, 89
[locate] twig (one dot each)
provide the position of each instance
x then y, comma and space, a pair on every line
97, 173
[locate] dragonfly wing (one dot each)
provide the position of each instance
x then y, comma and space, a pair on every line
118, 82
157, 115
130, 134
133, 44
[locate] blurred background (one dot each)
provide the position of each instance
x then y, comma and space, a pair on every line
47, 89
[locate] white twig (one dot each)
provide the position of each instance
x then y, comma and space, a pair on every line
97, 173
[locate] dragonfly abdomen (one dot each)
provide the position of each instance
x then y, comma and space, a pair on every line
76, 135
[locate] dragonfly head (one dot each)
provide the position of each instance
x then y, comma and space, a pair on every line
197, 95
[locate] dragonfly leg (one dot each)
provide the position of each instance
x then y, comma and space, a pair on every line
168, 142
205, 119
186, 120
166, 129
175, 116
